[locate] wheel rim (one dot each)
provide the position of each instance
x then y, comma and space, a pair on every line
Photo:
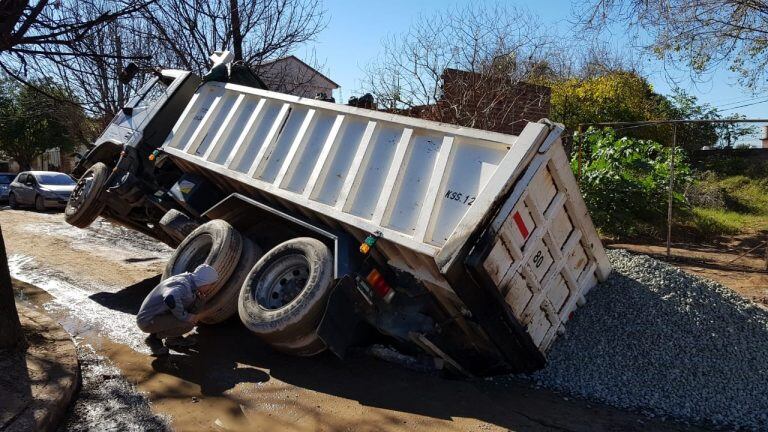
82, 189
281, 282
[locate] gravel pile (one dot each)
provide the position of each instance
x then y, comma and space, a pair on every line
657, 340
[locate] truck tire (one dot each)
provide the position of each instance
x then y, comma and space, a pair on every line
84, 204
177, 225
284, 296
224, 304
215, 243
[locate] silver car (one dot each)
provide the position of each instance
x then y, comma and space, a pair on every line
5, 185
41, 189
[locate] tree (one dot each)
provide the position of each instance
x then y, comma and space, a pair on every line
462, 66
624, 96
699, 35
74, 43
94, 78
256, 31
612, 97
31, 122
54, 28
11, 336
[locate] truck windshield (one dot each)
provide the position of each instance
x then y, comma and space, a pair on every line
55, 179
152, 94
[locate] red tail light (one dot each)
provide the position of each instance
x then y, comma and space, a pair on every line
379, 285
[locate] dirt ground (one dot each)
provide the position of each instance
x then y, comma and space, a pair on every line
94, 281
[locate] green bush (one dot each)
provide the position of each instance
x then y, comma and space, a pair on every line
625, 182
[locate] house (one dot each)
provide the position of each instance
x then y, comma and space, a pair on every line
51, 160
293, 76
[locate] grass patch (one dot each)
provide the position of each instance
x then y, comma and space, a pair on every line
714, 222
728, 205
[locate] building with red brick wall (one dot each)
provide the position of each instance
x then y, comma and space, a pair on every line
486, 102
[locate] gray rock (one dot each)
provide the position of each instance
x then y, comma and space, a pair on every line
655, 339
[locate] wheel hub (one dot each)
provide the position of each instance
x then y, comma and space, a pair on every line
82, 189
282, 282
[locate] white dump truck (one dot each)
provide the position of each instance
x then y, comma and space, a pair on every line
334, 225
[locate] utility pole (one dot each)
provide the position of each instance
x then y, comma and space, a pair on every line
237, 36
119, 68
671, 191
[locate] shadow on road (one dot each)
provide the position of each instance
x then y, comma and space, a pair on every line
227, 355
129, 299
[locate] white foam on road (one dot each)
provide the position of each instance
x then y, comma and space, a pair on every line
116, 325
109, 240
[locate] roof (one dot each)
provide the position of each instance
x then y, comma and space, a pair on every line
41, 172
302, 62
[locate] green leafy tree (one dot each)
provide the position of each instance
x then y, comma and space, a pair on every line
611, 97
623, 96
625, 182
32, 122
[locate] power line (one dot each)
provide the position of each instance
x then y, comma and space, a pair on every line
745, 105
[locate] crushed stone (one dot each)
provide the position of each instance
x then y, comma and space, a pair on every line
660, 341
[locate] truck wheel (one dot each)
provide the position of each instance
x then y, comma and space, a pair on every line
224, 304
177, 225
84, 204
214, 243
12, 201
284, 296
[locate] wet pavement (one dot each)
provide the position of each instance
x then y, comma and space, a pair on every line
94, 281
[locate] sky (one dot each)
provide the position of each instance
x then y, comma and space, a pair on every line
355, 30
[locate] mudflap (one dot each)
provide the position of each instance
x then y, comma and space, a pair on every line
342, 325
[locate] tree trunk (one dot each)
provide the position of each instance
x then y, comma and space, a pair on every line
237, 36
10, 328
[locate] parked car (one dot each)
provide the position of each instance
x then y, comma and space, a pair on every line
5, 185
41, 189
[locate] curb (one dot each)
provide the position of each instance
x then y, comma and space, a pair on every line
42, 380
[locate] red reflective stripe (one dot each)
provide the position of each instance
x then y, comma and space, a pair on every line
520, 224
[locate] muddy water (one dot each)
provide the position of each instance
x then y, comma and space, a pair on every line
231, 381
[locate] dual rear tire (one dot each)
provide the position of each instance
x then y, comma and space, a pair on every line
280, 296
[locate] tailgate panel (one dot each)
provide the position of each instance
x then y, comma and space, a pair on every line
545, 254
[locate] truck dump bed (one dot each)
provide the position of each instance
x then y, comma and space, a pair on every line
493, 220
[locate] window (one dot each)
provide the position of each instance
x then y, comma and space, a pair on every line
154, 93
54, 179
6, 178
22, 178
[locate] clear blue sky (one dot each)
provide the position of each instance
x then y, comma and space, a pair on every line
356, 28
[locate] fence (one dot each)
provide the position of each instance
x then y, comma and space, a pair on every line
709, 214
